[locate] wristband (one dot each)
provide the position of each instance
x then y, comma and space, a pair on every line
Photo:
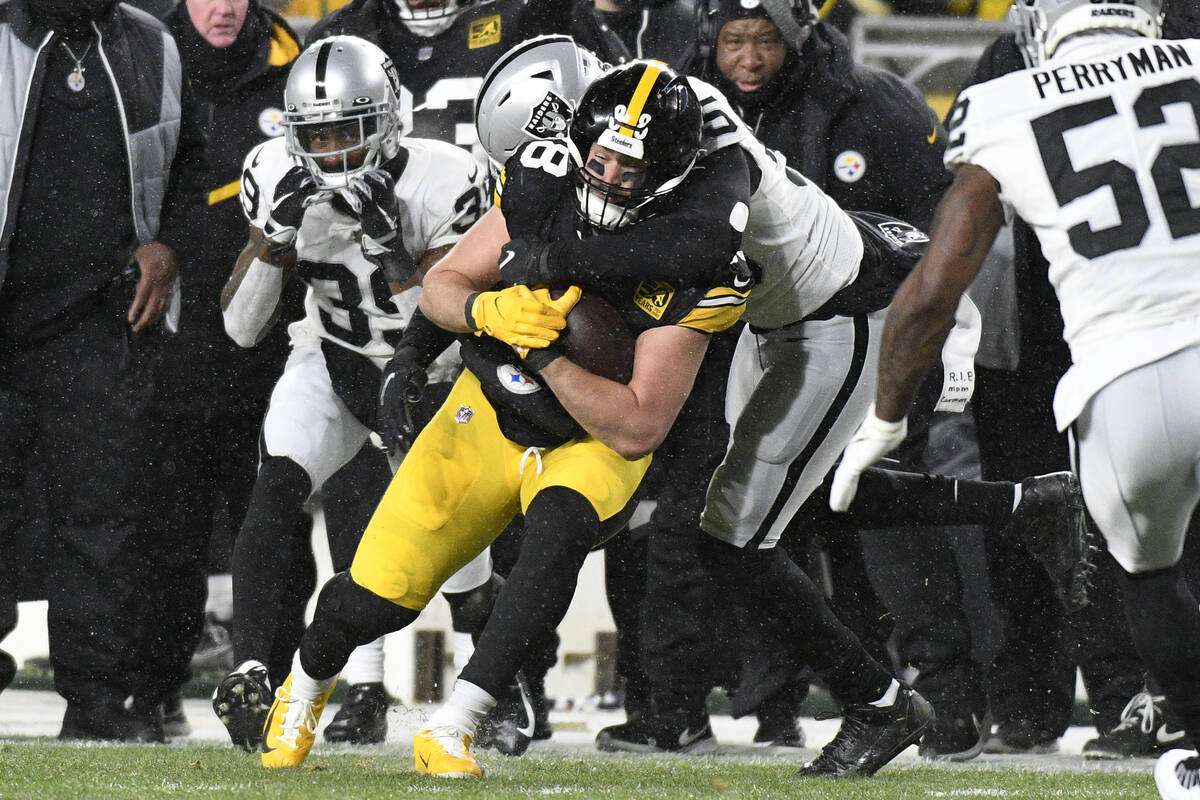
469, 311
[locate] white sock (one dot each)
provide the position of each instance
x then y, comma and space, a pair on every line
467, 705
365, 664
305, 686
463, 649
889, 697
1016, 496
220, 596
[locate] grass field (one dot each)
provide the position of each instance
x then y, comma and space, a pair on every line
40, 768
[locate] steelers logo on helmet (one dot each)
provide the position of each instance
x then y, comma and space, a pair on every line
633, 139
270, 121
344, 109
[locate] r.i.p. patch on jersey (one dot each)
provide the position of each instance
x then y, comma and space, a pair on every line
484, 32
653, 297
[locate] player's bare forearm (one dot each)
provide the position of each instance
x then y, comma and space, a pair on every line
471, 265
922, 312
633, 419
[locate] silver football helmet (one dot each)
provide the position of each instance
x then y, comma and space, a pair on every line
1042, 25
531, 93
344, 97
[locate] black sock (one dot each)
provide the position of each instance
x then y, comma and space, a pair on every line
891, 499
1165, 623
561, 527
347, 615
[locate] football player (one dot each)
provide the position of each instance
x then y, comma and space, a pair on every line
533, 433
825, 278
1089, 146
357, 210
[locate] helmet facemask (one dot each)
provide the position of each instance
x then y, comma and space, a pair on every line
427, 18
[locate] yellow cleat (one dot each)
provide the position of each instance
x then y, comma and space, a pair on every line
291, 726
445, 751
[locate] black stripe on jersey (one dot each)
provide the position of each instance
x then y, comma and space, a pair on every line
322, 67
857, 362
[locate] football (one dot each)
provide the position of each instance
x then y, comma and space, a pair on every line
597, 339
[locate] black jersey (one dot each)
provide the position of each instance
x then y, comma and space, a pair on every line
537, 198
443, 72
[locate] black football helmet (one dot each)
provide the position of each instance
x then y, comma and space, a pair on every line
643, 110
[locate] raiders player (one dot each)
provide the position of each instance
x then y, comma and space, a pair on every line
356, 210
442, 48
1087, 145
566, 447
825, 278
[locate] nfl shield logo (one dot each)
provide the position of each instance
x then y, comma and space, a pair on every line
464, 415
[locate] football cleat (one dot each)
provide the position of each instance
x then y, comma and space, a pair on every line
241, 702
668, 732
291, 726
445, 752
1050, 522
1177, 775
1142, 731
510, 725
871, 737
1021, 737
363, 717
954, 738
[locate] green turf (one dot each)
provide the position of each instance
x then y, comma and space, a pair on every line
44, 769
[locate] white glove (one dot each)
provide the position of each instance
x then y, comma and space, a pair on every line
872, 441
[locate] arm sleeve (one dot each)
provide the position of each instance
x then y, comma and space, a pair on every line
703, 240
184, 201
427, 339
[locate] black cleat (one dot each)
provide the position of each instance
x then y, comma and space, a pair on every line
175, 722
777, 727
8, 670
871, 737
242, 702
99, 719
510, 726
668, 732
363, 717
1141, 731
1050, 522
954, 737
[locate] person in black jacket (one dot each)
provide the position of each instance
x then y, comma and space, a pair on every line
619, 31
103, 182
210, 395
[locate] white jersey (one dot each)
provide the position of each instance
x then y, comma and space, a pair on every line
805, 245
440, 195
1095, 149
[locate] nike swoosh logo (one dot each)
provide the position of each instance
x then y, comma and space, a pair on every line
526, 731
266, 728
386, 381
424, 761
687, 737
1165, 736
931, 138
509, 256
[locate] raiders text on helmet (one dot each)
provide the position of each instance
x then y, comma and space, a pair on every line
1042, 25
531, 93
642, 110
346, 84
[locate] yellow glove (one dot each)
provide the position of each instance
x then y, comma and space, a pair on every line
517, 317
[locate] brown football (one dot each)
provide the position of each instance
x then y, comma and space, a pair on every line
597, 339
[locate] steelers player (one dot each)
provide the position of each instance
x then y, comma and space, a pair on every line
353, 208
541, 435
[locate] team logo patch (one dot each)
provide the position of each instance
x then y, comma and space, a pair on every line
902, 234
516, 381
653, 297
549, 118
849, 166
484, 32
270, 121
464, 414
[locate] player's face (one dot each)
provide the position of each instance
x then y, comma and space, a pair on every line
750, 52
342, 141
616, 169
218, 21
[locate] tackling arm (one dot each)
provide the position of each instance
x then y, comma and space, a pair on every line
922, 312
251, 297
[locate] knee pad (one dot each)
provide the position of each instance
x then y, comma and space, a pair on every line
469, 611
364, 615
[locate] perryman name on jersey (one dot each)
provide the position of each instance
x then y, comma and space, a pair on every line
1148, 60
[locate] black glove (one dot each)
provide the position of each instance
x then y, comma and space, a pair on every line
526, 261
400, 389
373, 198
294, 193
